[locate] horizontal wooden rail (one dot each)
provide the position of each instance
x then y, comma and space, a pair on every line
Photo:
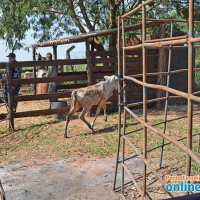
49, 79
42, 96
3, 116
71, 86
37, 113
72, 73
128, 59
3, 65
44, 63
114, 53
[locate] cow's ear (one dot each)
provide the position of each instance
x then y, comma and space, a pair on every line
116, 78
106, 78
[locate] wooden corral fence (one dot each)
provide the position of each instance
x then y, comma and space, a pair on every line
105, 63
99, 65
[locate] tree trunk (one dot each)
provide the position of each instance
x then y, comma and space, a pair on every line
161, 66
113, 23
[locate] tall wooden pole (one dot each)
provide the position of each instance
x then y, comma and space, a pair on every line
161, 65
34, 69
89, 71
54, 52
10, 97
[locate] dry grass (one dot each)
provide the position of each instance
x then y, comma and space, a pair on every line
42, 137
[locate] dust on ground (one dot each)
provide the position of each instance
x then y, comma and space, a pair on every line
77, 178
38, 163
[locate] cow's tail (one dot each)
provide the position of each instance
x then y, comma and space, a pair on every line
73, 100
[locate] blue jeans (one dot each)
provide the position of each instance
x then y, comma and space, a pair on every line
52, 89
15, 92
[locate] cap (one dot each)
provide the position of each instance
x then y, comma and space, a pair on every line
12, 55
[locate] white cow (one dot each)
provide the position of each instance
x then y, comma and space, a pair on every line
97, 94
39, 74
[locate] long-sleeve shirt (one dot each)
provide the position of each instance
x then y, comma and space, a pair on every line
52, 71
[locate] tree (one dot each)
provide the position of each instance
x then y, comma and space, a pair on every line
52, 19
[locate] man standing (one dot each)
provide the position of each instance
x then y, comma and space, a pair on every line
15, 74
52, 72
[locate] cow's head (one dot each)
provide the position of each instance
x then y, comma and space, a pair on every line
38, 57
116, 79
113, 79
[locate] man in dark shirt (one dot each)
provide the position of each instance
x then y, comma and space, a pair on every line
15, 74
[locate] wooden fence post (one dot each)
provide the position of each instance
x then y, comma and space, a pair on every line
10, 97
34, 69
54, 52
89, 71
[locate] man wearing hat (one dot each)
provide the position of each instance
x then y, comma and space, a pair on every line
15, 74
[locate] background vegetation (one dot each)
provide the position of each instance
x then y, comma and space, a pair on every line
50, 19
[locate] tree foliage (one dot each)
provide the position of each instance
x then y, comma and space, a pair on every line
50, 19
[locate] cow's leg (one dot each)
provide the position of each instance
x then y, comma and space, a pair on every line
97, 114
82, 116
105, 114
69, 115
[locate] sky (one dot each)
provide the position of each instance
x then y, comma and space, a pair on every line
22, 55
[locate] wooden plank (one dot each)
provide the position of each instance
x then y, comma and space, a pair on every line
72, 73
101, 75
41, 96
2, 116
48, 79
3, 65
104, 68
37, 113
103, 53
71, 86
134, 65
114, 60
60, 78
150, 52
48, 63
103, 60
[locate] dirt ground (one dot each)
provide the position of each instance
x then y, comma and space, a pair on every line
77, 178
36, 162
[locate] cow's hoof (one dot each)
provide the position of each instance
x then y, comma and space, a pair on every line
105, 119
65, 135
91, 127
